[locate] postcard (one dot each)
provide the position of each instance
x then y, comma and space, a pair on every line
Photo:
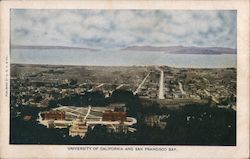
124, 79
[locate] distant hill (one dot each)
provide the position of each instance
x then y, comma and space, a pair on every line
184, 50
39, 47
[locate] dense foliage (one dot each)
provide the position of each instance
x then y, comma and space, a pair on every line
187, 125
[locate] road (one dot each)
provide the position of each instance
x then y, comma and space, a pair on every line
181, 88
143, 81
87, 113
213, 98
121, 85
100, 85
118, 87
161, 85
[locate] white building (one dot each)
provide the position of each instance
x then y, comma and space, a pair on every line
78, 128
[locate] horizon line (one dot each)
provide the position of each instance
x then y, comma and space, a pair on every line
120, 48
123, 66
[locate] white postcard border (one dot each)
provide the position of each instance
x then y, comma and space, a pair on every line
63, 151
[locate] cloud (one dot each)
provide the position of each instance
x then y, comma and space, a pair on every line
108, 29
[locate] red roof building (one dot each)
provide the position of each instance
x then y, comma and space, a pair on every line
53, 115
114, 116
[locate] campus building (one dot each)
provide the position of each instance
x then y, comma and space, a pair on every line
114, 116
53, 115
78, 128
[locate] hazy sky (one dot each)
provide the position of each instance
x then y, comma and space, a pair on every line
113, 29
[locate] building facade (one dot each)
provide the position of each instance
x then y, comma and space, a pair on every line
53, 115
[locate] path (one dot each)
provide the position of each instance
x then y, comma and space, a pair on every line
143, 81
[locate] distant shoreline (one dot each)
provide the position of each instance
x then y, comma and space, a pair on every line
142, 49
122, 58
60, 65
